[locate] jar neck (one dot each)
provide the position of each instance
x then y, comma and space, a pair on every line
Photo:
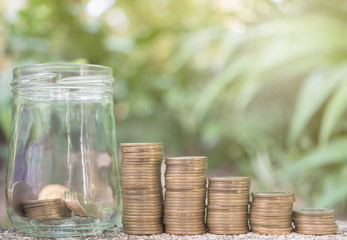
62, 81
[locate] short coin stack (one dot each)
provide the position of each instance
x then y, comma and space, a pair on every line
80, 206
315, 221
45, 209
271, 212
141, 188
185, 196
227, 210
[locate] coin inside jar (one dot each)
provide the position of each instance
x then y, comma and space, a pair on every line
52, 191
21, 192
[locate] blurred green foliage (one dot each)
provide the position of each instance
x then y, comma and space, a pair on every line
259, 86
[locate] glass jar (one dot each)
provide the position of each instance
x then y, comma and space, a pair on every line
62, 176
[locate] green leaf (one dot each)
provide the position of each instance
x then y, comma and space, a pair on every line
333, 153
314, 92
5, 120
336, 193
333, 112
214, 87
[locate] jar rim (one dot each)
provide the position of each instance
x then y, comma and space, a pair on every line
54, 78
87, 69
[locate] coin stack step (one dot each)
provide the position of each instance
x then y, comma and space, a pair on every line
185, 196
45, 209
227, 210
315, 221
271, 212
141, 188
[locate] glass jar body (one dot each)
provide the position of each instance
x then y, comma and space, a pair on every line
63, 149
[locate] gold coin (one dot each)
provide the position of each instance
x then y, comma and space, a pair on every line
143, 225
150, 164
177, 210
229, 179
227, 223
223, 187
257, 214
153, 182
185, 158
142, 198
189, 196
181, 230
272, 205
315, 222
45, 209
81, 206
227, 232
185, 172
21, 191
271, 224
143, 212
187, 167
185, 178
184, 214
183, 227
141, 168
314, 212
52, 191
143, 232
184, 221
273, 196
142, 191
174, 163
143, 155
318, 232
226, 214
257, 209
140, 144
227, 192
141, 220
314, 226
150, 148
228, 195
273, 231
184, 184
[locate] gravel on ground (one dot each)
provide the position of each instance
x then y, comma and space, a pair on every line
116, 233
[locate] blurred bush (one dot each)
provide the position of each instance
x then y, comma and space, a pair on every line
256, 85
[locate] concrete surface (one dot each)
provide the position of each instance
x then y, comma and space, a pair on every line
116, 233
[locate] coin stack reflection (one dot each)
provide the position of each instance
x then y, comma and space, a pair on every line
141, 188
315, 221
227, 210
185, 183
271, 212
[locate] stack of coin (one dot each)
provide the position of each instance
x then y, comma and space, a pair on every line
141, 188
185, 196
315, 221
80, 206
45, 209
271, 212
227, 210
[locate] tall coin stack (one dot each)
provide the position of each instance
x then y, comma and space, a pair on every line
141, 188
185, 196
227, 210
315, 221
271, 212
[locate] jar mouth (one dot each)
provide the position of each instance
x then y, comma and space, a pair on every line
85, 69
62, 76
